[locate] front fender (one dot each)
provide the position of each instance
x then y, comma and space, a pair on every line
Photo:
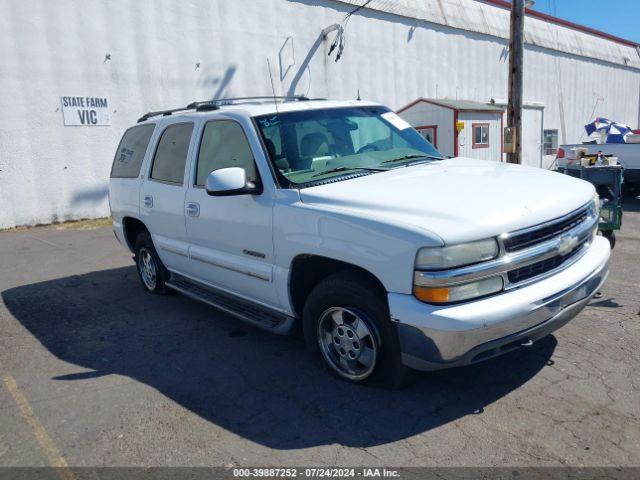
384, 249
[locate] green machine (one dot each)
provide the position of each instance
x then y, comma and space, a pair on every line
608, 181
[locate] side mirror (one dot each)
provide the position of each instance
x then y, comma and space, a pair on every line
230, 181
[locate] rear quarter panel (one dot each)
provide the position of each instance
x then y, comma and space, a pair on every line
124, 193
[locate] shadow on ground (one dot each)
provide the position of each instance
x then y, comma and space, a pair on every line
631, 204
260, 386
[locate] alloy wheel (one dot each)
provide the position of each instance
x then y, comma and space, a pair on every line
347, 342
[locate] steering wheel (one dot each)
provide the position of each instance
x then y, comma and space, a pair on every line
368, 146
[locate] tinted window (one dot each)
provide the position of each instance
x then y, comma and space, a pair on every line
171, 154
131, 150
223, 145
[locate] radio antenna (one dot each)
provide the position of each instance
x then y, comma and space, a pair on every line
273, 88
281, 131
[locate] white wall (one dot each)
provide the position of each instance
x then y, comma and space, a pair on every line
422, 114
465, 138
532, 137
49, 49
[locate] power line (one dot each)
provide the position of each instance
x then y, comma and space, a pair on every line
339, 40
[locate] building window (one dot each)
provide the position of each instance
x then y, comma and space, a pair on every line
480, 135
430, 133
550, 142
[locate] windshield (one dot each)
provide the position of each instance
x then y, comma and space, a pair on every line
314, 145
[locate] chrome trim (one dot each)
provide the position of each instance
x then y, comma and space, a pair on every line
172, 250
549, 223
510, 261
233, 293
450, 347
574, 258
445, 349
233, 269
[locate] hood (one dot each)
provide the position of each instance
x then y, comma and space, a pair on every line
459, 199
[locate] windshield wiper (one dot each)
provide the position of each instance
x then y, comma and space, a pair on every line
411, 156
347, 169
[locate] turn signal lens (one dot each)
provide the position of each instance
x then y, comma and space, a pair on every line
458, 293
431, 295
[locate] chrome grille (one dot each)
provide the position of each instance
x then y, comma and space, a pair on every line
533, 236
549, 231
526, 255
539, 268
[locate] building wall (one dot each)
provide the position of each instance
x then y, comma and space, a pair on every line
465, 138
422, 114
165, 53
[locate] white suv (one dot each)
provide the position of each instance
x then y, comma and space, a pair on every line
341, 217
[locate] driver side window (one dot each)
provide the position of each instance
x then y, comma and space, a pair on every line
224, 145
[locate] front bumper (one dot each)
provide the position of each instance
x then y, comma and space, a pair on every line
435, 337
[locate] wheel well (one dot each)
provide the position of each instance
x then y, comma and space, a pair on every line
132, 228
309, 270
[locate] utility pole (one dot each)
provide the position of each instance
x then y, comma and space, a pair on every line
516, 55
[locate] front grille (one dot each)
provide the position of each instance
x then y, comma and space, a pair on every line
528, 239
540, 268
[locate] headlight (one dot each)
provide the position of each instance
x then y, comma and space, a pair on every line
458, 293
440, 258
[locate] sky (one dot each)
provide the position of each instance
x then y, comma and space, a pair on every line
620, 17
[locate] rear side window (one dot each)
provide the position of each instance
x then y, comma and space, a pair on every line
223, 145
171, 154
131, 150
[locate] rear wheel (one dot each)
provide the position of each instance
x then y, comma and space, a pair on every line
346, 322
151, 271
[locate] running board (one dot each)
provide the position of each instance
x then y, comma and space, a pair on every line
256, 315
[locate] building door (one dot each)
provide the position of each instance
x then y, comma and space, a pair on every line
532, 136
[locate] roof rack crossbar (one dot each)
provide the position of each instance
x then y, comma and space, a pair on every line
216, 103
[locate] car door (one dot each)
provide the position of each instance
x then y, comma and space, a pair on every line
231, 245
163, 193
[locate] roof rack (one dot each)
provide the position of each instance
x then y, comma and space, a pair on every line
216, 103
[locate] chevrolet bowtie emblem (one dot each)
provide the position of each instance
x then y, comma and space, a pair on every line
567, 244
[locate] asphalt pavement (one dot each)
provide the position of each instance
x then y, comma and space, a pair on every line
97, 372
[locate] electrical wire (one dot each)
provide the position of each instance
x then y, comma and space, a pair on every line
356, 10
339, 40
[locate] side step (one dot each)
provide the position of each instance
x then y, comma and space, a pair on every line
256, 315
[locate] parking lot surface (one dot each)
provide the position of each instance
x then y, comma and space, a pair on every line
97, 372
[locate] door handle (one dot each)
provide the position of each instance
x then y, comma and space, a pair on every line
193, 209
148, 201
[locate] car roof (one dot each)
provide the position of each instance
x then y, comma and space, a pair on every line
253, 108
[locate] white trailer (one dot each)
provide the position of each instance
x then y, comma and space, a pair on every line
458, 128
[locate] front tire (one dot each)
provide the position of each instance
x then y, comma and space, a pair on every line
151, 270
346, 322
